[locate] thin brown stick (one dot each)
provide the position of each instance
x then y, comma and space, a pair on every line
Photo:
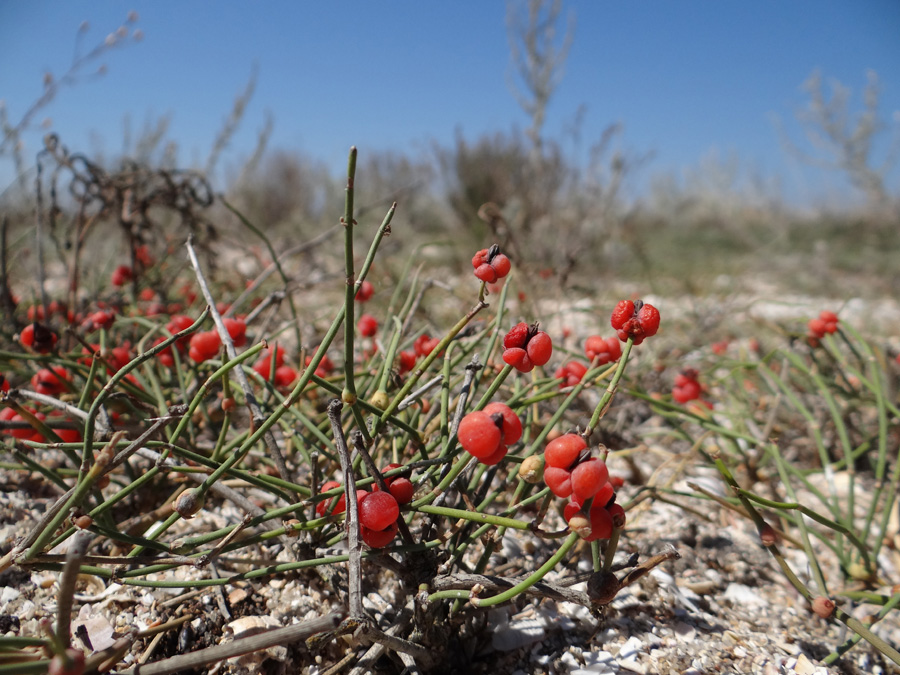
353, 540
254, 643
74, 555
239, 374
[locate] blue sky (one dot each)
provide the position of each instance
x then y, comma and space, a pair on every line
689, 80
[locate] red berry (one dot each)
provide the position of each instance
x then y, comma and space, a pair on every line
486, 273
402, 489
478, 434
406, 361
285, 376
512, 425
501, 265
51, 381
518, 359
828, 317
121, 275
526, 347
4, 383
605, 350
165, 356
517, 336
617, 513
37, 336
816, 328
622, 312
588, 478
495, 457
367, 325
365, 291
424, 345
539, 348
377, 510
204, 345
237, 330
490, 265
563, 451
378, 538
558, 480
570, 373
322, 506
601, 498
263, 364
99, 319
178, 323
601, 525
635, 320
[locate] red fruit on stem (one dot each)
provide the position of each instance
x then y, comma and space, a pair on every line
570, 373
377, 510
285, 376
512, 425
635, 320
50, 381
204, 345
478, 434
496, 456
490, 265
121, 275
823, 607
601, 525
322, 507
558, 480
237, 330
406, 361
588, 478
402, 489
617, 513
378, 538
561, 452
605, 350
365, 291
424, 345
367, 325
527, 347
38, 337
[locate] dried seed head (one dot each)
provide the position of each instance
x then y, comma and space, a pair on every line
768, 535
602, 587
531, 470
580, 525
188, 504
823, 607
83, 521
380, 399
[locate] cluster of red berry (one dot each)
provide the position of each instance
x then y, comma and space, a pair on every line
491, 265
378, 511
635, 320
816, 329
604, 350
688, 388
487, 434
284, 375
526, 347
38, 337
570, 472
422, 347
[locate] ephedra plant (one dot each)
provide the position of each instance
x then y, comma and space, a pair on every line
373, 447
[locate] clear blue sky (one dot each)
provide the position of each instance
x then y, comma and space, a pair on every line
686, 78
